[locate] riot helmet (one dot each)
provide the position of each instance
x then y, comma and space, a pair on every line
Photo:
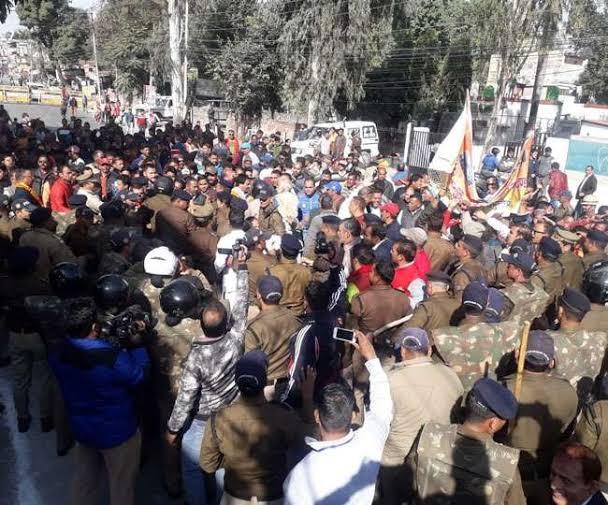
111, 292
164, 185
67, 281
595, 283
179, 299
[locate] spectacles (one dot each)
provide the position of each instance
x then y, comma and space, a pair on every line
539, 232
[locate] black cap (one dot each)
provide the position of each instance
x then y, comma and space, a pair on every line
520, 260
39, 216
251, 372
290, 244
182, 195
120, 237
111, 210
265, 193
75, 201
498, 307
253, 235
541, 349
133, 197
238, 204
139, 181
519, 218
475, 295
22, 204
270, 288
575, 301
473, 244
520, 245
224, 197
598, 236
438, 276
495, 397
550, 248
331, 219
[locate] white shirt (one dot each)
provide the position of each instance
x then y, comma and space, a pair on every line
93, 200
226, 242
344, 471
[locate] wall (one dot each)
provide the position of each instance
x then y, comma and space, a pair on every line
594, 130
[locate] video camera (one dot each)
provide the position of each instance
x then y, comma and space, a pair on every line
128, 329
321, 244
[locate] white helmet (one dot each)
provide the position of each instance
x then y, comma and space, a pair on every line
161, 261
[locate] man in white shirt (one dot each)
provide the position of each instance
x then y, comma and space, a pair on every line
225, 243
342, 467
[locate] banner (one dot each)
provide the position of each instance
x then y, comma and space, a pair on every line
455, 156
512, 192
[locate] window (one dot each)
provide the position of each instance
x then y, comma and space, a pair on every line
369, 132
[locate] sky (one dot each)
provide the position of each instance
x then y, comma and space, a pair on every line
12, 21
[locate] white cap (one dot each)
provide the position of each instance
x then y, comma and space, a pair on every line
160, 261
265, 173
416, 235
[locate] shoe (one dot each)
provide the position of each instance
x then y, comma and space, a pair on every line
23, 423
46, 424
64, 450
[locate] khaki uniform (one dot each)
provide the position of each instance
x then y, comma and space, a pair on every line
529, 301
156, 203
573, 270
51, 248
222, 224
592, 431
578, 357
596, 319
18, 226
551, 276
378, 306
6, 229
174, 226
271, 331
270, 220
295, 278
252, 426
468, 271
456, 465
257, 265
547, 404
440, 251
497, 276
64, 219
434, 313
591, 258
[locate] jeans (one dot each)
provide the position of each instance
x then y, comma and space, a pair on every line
193, 477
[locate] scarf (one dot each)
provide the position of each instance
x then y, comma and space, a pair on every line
30, 192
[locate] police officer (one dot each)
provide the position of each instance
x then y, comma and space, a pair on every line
462, 463
294, 277
469, 269
258, 262
22, 209
111, 295
595, 287
579, 352
549, 274
117, 261
551, 405
573, 264
594, 246
65, 219
436, 311
202, 241
529, 301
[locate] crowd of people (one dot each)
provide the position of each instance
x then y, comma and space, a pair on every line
332, 329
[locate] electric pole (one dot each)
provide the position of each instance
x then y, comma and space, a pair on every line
95, 56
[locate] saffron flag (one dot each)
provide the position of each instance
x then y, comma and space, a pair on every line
455, 157
512, 192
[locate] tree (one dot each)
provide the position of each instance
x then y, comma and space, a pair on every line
176, 14
327, 47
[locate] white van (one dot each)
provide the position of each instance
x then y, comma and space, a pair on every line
306, 142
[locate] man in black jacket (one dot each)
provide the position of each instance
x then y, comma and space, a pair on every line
588, 186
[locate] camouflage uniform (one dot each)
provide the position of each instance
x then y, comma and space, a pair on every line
529, 301
578, 357
458, 466
113, 263
551, 275
64, 219
468, 271
596, 319
469, 349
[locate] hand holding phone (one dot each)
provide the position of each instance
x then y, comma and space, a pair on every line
364, 345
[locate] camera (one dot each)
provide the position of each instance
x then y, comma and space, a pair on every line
238, 244
321, 244
127, 329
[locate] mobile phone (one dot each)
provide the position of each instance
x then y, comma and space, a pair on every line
344, 335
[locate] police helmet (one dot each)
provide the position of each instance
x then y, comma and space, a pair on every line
67, 281
595, 282
178, 300
164, 185
111, 290
260, 185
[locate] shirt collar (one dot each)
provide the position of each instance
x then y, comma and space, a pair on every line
320, 445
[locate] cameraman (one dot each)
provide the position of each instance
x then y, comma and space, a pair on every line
97, 381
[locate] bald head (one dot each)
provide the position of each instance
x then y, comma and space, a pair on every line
214, 319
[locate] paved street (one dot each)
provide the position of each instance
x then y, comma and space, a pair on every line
32, 474
48, 113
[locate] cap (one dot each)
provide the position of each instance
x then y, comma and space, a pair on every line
39, 216
520, 246
335, 220
160, 261
575, 301
270, 288
498, 307
245, 145
416, 235
75, 201
567, 193
290, 244
438, 276
85, 176
519, 218
566, 236
227, 183
111, 210
139, 182
589, 200
392, 208
265, 193
251, 371
134, 197
598, 236
253, 235
475, 295
495, 397
334, 186
520, 260
84, 212
414, 339
180, 194
202, 211
223, 196
472, 243
541, 349
237, 203
120, 237
549, 248
22, 205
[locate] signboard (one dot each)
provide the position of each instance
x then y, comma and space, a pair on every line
588, 152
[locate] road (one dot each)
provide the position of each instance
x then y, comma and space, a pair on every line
31, 472
48, 113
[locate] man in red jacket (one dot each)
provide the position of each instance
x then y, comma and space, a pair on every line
62, 189
558, 182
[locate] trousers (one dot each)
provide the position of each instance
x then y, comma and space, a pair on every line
121, 464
